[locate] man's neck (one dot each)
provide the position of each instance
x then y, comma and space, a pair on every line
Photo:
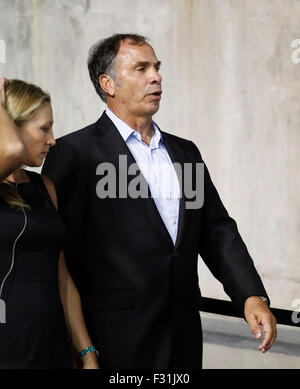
141, 124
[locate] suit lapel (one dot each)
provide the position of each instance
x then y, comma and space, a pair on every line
111, 145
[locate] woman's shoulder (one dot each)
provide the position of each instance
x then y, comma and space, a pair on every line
41, 179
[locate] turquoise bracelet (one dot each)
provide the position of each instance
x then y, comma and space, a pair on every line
88, 350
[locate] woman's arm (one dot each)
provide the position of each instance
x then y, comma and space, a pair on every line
71, 302
12, 148
73, 314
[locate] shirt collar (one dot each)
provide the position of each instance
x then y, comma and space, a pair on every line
156, 138
126, 131
123, 128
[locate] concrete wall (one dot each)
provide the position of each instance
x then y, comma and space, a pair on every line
230, 85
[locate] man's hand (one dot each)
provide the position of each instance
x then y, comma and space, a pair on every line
258, 313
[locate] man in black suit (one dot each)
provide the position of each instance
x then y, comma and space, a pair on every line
134, 257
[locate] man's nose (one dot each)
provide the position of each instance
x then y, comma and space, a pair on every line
155, 76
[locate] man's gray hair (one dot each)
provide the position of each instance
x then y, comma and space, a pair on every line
102, 56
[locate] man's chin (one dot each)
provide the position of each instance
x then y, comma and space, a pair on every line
153, 109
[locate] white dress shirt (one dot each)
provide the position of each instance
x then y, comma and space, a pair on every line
156, 166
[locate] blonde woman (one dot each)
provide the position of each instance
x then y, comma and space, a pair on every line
39, 302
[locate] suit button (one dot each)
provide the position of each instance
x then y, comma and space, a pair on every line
176, 292
176, 254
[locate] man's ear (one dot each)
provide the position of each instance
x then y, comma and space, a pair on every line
107, 84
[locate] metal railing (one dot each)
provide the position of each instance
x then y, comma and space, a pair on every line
226, 308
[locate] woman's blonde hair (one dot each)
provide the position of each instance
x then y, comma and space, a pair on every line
22, 101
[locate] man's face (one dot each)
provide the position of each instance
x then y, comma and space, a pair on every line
137, 80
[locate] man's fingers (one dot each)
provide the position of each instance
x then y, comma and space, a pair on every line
254, 326
257, 313
270, 335
266, 343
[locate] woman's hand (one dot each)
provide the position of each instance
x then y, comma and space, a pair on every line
3, 84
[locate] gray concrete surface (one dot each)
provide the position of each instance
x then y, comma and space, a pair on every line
229, 344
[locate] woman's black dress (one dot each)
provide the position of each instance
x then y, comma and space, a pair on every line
34, 335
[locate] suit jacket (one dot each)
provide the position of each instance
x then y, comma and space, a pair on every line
140, 293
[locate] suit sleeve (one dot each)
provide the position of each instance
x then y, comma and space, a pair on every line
62, 166
223, 250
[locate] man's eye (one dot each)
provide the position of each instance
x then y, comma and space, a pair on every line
45, 129
140, 68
